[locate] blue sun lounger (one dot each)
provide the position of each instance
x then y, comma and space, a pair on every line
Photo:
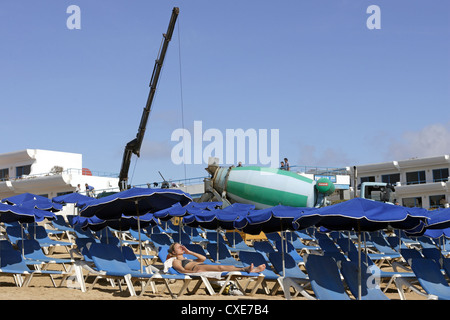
109, 260
431, 278
293, 276
203, 279
40, 234
249, 257
11, 262
325, 278
369, 289
34, 255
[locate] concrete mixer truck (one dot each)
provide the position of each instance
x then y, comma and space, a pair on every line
264, 187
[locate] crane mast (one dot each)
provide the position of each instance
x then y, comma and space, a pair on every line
134, 146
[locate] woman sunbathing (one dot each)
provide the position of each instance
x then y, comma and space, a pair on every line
183, 265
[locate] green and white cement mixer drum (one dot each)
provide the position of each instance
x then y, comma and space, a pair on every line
266, 187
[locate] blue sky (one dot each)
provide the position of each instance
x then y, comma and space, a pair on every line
339, 93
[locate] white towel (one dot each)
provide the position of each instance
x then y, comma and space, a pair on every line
168, 264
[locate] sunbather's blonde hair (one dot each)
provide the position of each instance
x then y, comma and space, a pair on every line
171, 251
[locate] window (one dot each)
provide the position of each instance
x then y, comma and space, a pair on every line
440, 175
415, 177
412, 202
23, 170
4, 174
437, 201
368, 179
63, 193
391, 178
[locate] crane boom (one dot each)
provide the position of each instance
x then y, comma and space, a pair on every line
134, 146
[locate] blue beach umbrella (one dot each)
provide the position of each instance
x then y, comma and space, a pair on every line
361, 215
201, 218
19, 198
31, 200
439, 219
14, 213
178, 211
216, 219
275, 219
71, 198
10, 213
45, 205
123, 224
134, 202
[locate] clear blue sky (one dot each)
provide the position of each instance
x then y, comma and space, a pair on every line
339, 93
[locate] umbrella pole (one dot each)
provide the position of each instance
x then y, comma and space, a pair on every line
282, 253
359, 261
139, 232
283, 267
21, 235
217, 251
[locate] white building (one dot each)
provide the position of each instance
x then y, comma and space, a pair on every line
418, 182
47, 173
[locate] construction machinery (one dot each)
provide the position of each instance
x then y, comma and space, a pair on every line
134, 146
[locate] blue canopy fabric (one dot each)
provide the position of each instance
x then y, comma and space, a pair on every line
19, 198
274, 219
31, 200
202, 218
361, 214
204, 205
439, 219
46, 205
437, 233
134, 201
10, 213
176, 210
217, 218
123, 224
